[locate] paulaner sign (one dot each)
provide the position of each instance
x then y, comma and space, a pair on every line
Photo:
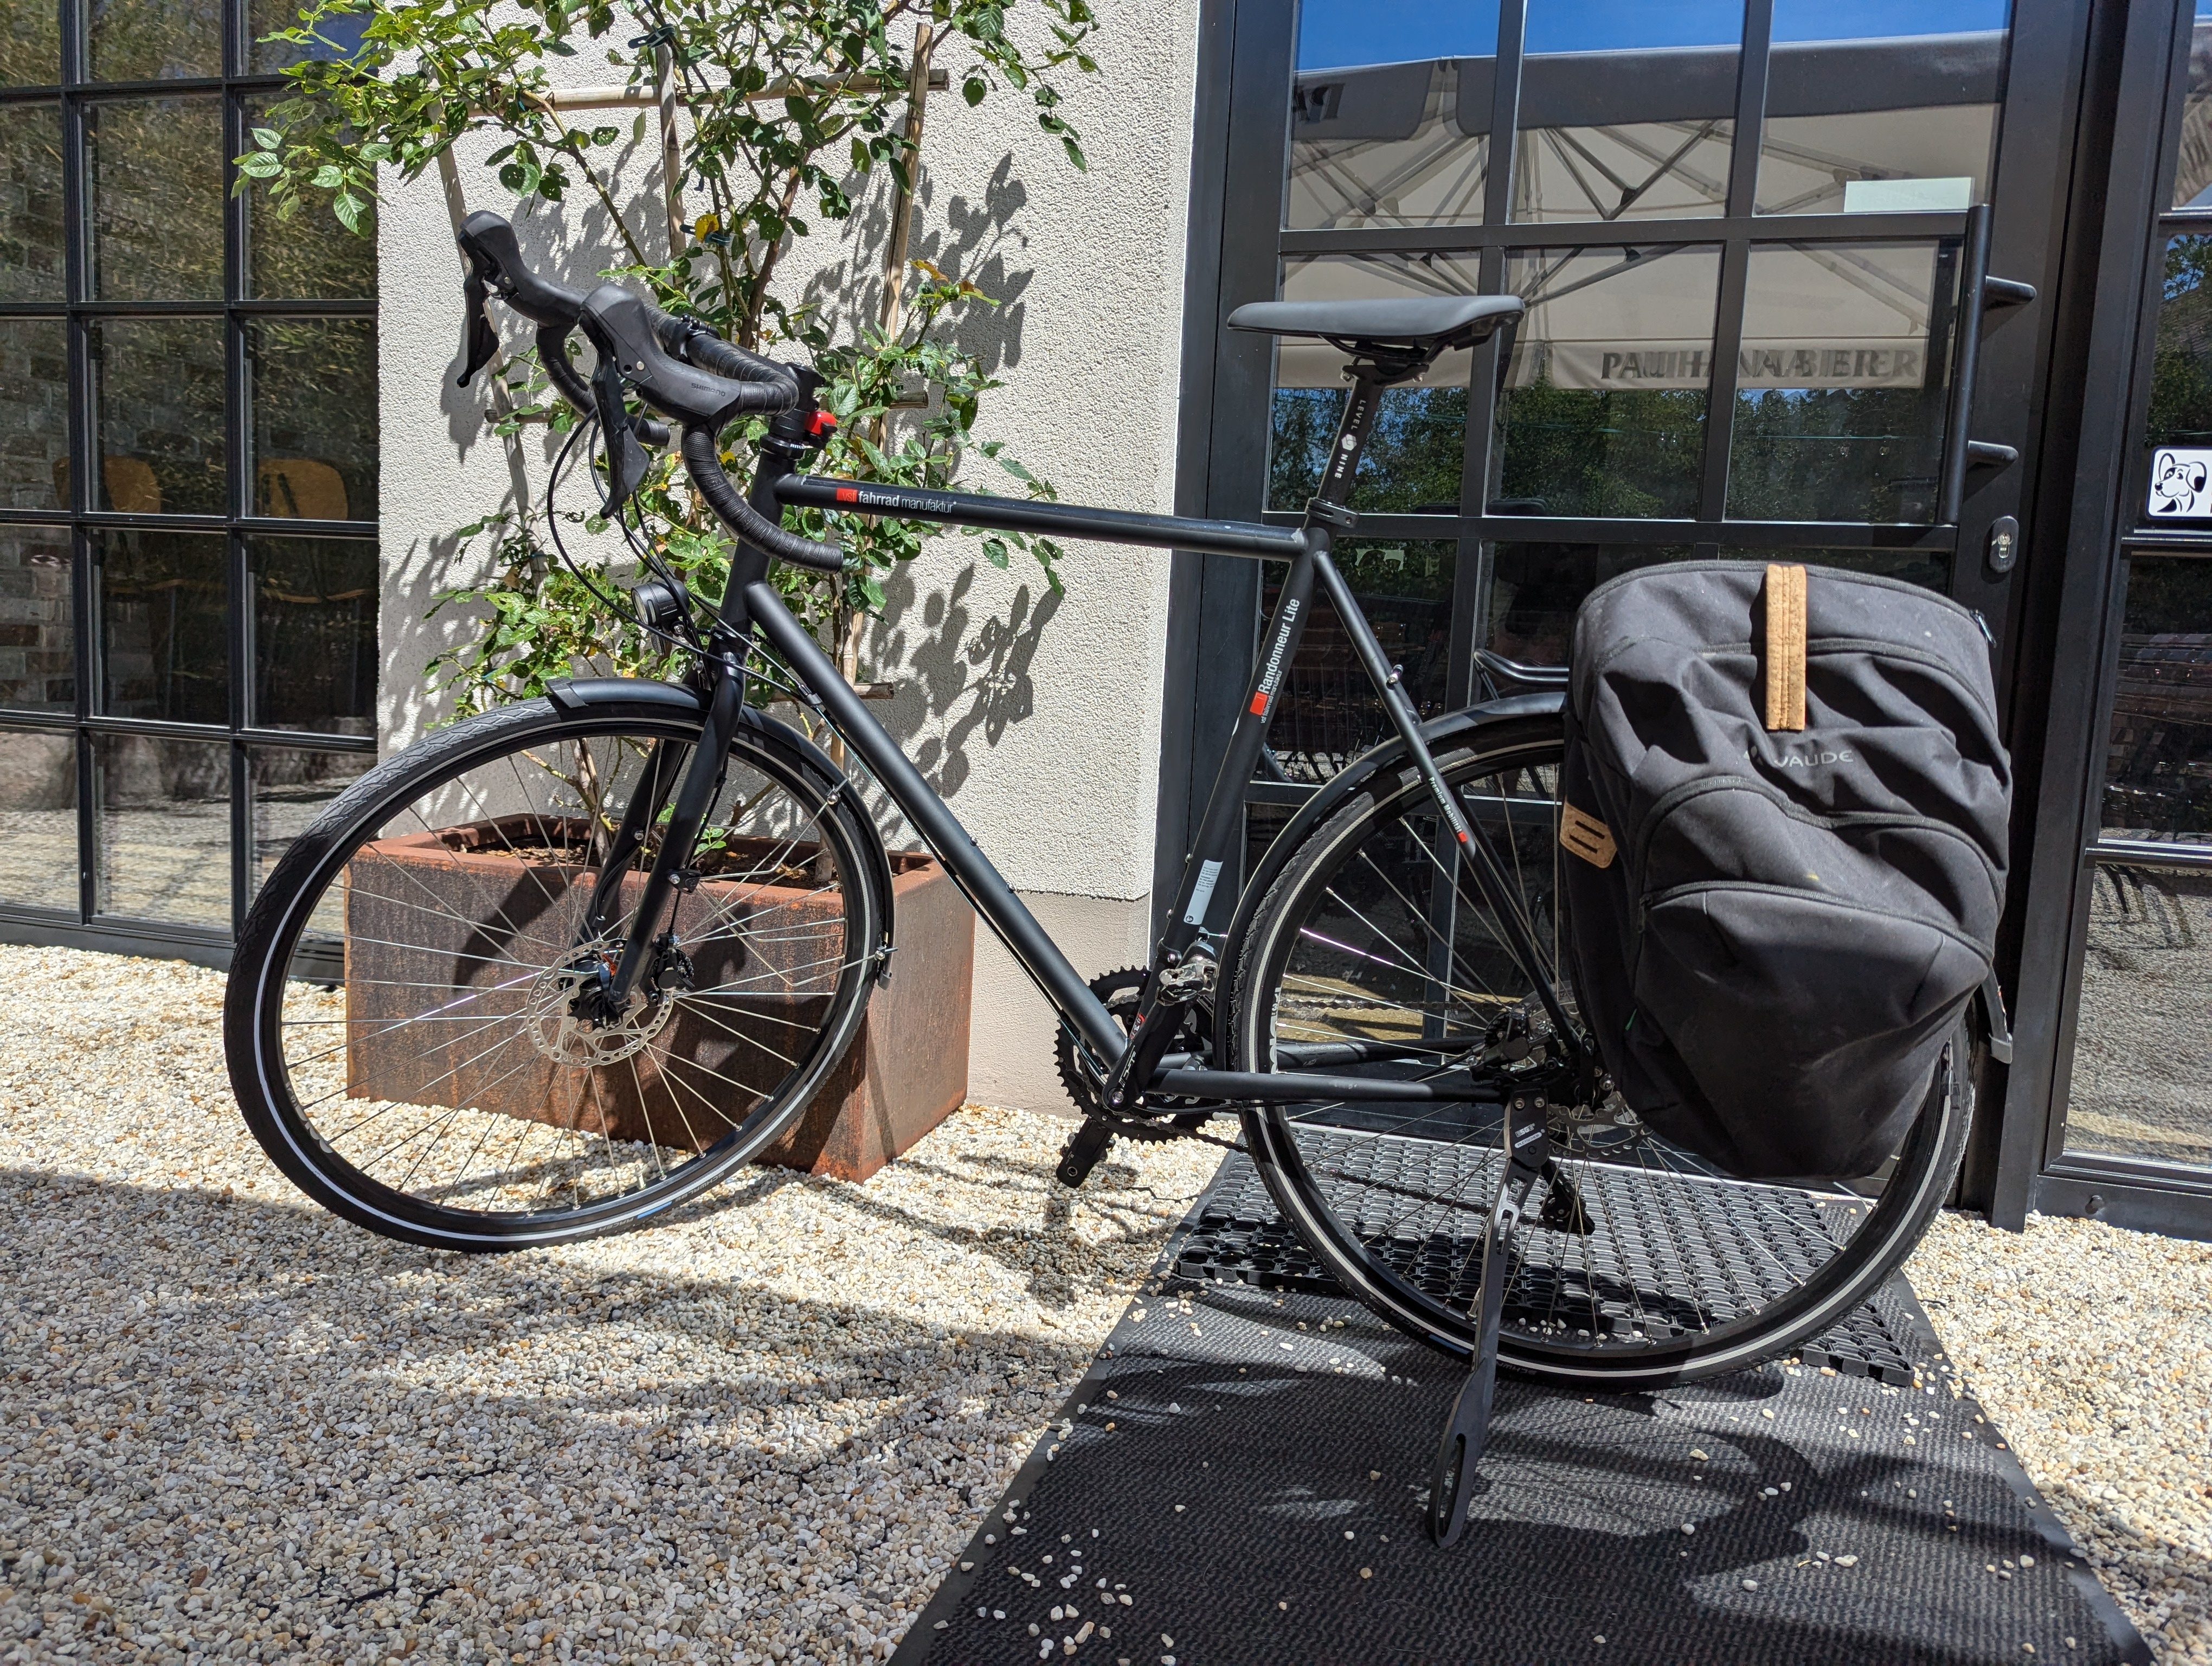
1833, 363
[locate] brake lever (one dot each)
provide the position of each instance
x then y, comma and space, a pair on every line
626, 461
481, 345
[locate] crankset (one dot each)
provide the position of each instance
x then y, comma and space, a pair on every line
1087, 1147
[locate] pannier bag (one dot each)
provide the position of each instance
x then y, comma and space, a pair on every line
1785, 832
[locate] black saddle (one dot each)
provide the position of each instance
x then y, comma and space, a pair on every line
1424, 325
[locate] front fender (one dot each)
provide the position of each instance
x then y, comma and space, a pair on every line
1372, 770
630, 696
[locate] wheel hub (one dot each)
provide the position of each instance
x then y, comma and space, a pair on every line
564, 1027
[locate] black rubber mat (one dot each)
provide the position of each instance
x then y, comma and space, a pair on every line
1241, 1476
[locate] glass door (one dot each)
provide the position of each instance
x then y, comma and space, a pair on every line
1745, 230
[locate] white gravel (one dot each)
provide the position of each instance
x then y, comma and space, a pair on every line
2091, 1347
234, 1427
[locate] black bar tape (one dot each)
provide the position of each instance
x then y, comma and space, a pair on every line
705, 466
692, 340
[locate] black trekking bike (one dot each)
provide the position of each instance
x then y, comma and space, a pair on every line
564, 966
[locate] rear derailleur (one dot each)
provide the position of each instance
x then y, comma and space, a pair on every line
1190, 990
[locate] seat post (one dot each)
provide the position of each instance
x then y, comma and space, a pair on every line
1351, 431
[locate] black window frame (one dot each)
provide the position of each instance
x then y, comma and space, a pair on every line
238, 87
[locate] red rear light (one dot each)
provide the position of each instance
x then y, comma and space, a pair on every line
820, 424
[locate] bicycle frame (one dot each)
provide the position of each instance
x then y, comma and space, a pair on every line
1131, 1066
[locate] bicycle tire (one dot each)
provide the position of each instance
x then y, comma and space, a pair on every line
1684, 1273
396, 912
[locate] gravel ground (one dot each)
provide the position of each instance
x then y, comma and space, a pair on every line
2091, 1349
231, 1426
234, 1427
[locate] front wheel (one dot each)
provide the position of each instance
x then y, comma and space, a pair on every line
412, 1025
1375, 943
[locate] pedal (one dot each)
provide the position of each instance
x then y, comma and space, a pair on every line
1085, 1151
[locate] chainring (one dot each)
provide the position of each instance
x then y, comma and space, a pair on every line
1119, 990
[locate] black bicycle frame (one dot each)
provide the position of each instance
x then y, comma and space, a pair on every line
1131, 1065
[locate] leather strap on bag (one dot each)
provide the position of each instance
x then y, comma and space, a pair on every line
1785, 647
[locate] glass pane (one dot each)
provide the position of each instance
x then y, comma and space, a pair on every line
1390, 112
2158, 765
1929, 568
309, 257
1604, 407
141, 40
34, 415
164, 827
339, 36
2144, 1034
1413, 459
30, 44
1326, 711
291, 788
314, 418
38, 627
157, 171
164, 639
1880, 109
2181, 366
1627, 112
1534, 589
1841, 382
38, 819
2192, 163
30, 202
159, 384
315, 635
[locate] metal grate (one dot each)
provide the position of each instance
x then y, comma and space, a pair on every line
1671, 1253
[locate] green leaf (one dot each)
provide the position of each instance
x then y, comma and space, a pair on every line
267, 137
328, 177
259, 165
973, 89
348, 208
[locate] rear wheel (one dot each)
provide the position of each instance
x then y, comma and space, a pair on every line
412, 1023
1374, 943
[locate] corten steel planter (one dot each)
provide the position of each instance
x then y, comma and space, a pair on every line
456, 918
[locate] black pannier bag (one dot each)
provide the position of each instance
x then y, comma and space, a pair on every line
1785, 832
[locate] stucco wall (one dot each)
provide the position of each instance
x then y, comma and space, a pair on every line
1037, 716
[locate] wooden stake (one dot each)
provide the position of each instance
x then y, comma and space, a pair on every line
671, 152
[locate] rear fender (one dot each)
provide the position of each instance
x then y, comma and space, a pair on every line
624, 696
1373, 771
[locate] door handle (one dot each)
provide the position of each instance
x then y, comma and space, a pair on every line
1978, 293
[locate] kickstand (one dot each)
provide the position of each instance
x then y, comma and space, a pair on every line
1467, 1431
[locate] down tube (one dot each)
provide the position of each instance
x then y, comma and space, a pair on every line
964, 859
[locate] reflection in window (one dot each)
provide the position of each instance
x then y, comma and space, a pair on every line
2192, 162
2158, 764
158, 386
2144, 1028
165, 648
315, 635
1929, 568
1327, 711
1604, 408
307, 257
2181, 365
337, 36
164, 819
1390, 112
38, 629
143, 39
30, 202
1627, 113
290, 788
30, 45
314, 418
1892, 119
157, 167
38, 819
1413, 459
1841, 382
34, 414
1534, 589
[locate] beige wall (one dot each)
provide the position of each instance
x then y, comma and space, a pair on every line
1038, 717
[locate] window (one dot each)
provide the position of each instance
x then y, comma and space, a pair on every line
188, 468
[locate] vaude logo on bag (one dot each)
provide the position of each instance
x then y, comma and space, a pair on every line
1800, 760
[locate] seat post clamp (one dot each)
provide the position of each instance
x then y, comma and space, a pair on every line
1335, 516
